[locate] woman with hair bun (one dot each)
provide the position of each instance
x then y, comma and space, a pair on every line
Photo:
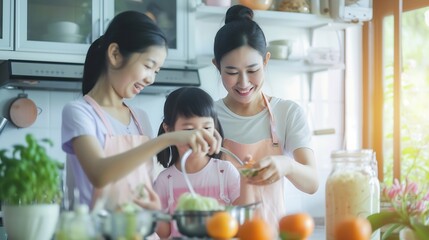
273, 131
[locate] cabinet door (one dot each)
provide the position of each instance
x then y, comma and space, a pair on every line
170, 15
64, 26
6, 25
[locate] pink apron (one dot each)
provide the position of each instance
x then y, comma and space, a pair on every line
127, 188
271, 196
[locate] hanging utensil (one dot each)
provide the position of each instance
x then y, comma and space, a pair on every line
22, 111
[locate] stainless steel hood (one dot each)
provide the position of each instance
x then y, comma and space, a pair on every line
60, 76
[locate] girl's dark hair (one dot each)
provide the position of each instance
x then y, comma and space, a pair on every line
133, 32
186, 102
239, 30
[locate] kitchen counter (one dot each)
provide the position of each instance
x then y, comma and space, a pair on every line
318, 234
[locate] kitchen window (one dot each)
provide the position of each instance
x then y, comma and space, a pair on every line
396, 83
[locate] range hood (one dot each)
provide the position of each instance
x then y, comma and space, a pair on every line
60, 76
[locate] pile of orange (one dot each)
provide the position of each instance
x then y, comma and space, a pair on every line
296, 226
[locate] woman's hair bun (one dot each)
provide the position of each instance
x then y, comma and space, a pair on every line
237, 13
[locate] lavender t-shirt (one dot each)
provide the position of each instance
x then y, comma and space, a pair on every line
79, 119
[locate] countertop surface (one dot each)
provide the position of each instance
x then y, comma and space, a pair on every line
318, 234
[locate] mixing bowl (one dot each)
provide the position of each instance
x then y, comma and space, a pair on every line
139, 224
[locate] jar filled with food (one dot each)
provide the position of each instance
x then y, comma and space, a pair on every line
352, 188
299, 6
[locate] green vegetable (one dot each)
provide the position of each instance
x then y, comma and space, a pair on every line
249, 172
189, 202
29, 175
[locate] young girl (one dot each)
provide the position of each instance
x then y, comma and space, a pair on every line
108, 142
191, 109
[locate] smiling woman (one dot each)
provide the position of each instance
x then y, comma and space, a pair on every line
107, 142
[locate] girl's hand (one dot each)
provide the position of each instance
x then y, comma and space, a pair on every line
199, 140
270, 169
152, 202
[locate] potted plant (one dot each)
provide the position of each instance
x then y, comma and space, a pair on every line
30, 190
408, 213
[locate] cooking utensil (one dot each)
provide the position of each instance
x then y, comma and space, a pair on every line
185, 157
243, 212
192, 223
3, 123
22, 111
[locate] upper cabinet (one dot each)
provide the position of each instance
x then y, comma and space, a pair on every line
70, 26
6, 26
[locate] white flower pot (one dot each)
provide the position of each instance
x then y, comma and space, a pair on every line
29, 222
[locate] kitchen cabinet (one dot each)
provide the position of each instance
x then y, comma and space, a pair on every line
6, 26
69, 26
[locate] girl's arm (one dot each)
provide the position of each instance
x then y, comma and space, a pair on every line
163, 229
102, 170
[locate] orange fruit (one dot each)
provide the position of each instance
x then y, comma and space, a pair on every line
222, 225
255, 228
296, 226
353, 228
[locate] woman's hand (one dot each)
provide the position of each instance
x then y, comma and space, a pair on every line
270, 169
152, 202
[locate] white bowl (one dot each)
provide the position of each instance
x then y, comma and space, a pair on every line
280, 42
220, 3
63, 27
66, 38
279, 51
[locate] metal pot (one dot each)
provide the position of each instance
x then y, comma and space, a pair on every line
243, 212
192, 223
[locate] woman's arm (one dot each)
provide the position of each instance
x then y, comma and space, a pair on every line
301, 170
102, 170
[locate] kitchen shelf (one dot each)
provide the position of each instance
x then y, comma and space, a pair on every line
289, 19
302, 66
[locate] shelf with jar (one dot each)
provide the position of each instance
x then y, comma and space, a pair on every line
303, 66
272, 17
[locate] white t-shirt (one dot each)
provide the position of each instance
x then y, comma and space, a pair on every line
290, 125
79, 118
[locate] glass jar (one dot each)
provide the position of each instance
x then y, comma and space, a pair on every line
352, 188
299, 6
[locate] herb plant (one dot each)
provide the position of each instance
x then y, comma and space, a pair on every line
29, 175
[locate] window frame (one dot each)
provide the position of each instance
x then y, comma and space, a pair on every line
373, 88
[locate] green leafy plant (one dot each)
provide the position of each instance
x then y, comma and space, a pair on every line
409, 209
29, 175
